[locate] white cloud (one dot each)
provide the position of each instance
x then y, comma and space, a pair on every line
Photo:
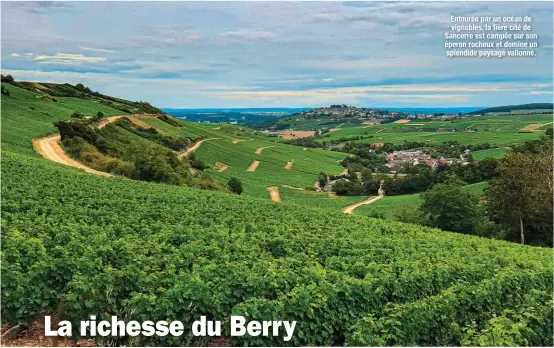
67, 58
165, 37
329, 79
402, 62
28, 54
406, 92
249, 35
15, 54
95, 49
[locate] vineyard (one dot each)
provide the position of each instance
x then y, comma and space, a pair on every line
76, 244
501, 130
237, 148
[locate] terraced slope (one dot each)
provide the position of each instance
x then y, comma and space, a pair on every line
273, 159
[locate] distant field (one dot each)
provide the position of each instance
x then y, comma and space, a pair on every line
495, 153
389, 205
496, 130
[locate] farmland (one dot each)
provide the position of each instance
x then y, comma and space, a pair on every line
498, 130
77, 244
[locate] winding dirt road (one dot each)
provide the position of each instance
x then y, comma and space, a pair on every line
193, 148
49, 147
350, 209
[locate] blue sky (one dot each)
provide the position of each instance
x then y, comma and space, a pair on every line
272, 54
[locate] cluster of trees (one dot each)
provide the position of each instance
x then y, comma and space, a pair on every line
364, 159
7, 78
421, 177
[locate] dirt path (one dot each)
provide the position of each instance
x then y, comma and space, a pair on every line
259, 150
103, 123
221, 167
288, 166
236, 141
294, 188
253, 166
49, 147
274, 193
193, 148
350, 209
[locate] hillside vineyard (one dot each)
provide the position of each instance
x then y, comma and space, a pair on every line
76, 244
115, 246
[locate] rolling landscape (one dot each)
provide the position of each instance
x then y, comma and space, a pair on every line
192, 163
97, 241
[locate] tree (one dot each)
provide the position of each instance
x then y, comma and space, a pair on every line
322, 180
8, 78
366, 175
521, 199
235, 185
451, 208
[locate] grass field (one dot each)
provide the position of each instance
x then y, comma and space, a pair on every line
495, 153
390, 205
502, 130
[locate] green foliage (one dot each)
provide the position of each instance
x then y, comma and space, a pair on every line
8, 78
235, 185
348, 188
169, 120
172, 142
115, 246
521, 199
450, 208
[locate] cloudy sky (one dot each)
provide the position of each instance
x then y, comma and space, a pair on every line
272, 54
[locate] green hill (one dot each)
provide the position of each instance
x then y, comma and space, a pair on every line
512, 108
79, 244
